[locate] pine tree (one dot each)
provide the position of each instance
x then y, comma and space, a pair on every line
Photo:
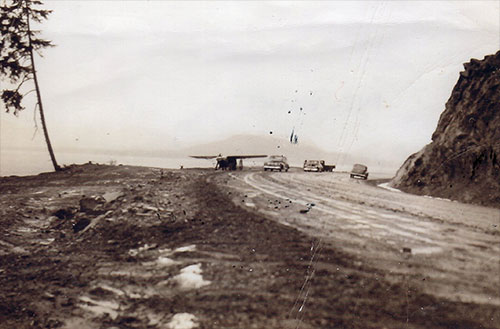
17, 63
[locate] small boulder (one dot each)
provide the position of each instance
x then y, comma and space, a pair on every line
111, 196
64, 213
92, 205
81, 224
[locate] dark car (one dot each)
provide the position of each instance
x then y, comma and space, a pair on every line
276, 162
359, 171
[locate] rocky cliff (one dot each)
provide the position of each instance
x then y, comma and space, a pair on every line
463, 160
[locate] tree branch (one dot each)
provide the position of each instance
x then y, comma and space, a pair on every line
32, 90
25, 78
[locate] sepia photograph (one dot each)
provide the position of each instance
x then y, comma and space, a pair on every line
249, 164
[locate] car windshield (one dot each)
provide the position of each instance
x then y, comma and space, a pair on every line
359, 168
276, 158
312, 162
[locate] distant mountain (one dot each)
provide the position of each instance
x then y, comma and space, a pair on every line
269, 145
296, 153
234, 145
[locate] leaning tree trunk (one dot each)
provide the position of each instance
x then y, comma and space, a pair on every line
39, 101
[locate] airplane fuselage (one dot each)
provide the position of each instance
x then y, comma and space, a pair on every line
226, 164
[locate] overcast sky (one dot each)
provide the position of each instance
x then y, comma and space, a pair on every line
371, 77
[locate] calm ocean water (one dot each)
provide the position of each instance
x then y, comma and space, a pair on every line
24, 163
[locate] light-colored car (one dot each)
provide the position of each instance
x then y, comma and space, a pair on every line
317, 166
314, 165
276, 162
359, 170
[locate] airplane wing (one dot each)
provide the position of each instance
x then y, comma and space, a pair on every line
204, 156
245, 156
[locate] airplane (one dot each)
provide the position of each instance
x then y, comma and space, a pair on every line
228, 162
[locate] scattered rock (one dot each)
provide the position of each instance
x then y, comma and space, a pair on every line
96, 220
18, 250
111, 196
81, 224
92, 205
309, 206
65, 213
49, 296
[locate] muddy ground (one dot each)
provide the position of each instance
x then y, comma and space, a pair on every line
129, 247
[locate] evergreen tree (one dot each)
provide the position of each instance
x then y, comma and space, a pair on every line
17, 63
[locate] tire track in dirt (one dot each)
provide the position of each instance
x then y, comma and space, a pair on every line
448, 253
350, 215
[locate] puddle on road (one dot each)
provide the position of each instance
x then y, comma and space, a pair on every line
389, 188
189, 248
100, 307
163, 252
160, 259
111, 289
138, 291
191, 278
165, 261
182, 321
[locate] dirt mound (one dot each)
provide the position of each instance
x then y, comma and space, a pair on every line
462, 161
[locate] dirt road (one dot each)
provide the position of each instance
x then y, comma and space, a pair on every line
107, 247
449, 249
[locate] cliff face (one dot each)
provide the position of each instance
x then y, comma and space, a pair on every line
463, 160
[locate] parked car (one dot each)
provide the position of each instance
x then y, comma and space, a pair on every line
359, 170
317, 166
328, 167
276, 162
313, 165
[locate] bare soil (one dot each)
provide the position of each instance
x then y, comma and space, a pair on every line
130, 247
